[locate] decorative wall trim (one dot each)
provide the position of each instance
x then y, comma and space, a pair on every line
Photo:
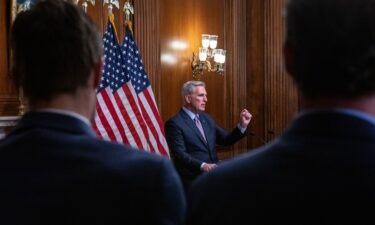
239, 65
235, 71
279, 87
9, 105
147, 36
7, 123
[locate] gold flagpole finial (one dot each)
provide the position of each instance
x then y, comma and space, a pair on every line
111, 3
129, 10
85, 4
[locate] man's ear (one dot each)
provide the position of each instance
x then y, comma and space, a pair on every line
188, 99
289, 58
97, 70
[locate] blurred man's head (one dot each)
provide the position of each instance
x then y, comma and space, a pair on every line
330, 47
56, 49
194, 95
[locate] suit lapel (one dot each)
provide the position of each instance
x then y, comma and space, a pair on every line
190, 123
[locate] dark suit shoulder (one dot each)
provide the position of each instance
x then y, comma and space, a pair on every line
123, 153
177, 119
179, 115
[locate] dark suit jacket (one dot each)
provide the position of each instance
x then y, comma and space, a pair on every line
188, 148
320, 171
53, 170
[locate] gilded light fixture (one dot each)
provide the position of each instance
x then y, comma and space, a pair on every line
207, 53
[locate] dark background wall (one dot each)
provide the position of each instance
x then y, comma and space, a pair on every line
252, 32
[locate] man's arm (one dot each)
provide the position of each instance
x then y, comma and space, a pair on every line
225, 138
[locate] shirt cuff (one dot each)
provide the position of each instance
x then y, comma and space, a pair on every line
243, 130
202, 165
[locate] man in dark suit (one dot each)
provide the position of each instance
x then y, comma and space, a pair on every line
53, 169
321, 170
192, 135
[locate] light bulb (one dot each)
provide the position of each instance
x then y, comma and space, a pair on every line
205, 40
213, 41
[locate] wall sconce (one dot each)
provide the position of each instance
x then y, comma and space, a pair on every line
208, 52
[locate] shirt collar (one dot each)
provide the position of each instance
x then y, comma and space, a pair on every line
351, 112
190, 113
66, 113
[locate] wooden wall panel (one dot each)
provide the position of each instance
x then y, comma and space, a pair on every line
8, 94
281, 97
96, 14
255, 71
184, 22
147, 36
272, 97
235, 75
3, 40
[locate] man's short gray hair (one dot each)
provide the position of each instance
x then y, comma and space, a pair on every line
187, 88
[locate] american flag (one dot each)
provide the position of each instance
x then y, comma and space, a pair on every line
126, 110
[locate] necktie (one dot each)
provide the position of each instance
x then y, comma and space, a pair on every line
199, 125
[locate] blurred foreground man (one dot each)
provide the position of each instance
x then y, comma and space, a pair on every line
321, 170
53, 169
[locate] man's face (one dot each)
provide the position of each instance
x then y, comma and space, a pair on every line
196, 101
